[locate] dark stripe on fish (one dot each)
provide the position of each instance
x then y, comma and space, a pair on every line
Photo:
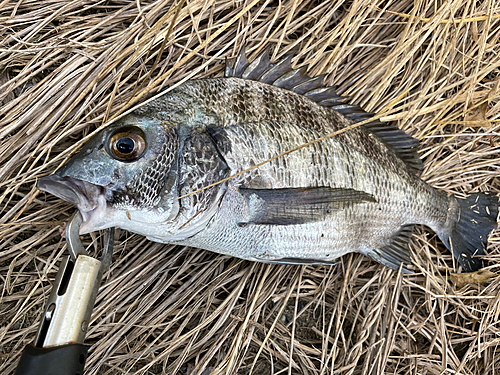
281, 74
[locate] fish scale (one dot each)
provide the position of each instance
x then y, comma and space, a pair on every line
273, 105
359, 229
357, 191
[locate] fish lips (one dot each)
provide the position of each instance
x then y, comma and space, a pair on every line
89, 198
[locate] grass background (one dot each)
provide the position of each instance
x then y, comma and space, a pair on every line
67, 68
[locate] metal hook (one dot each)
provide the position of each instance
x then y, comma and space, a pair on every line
75, 246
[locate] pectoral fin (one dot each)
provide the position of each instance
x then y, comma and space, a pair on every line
290, 206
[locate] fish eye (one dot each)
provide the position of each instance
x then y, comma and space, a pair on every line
127, 144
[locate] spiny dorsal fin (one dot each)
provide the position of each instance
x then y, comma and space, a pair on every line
281, 74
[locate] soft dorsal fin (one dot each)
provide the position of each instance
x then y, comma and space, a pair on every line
281, 74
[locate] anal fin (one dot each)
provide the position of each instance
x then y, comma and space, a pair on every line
397, 253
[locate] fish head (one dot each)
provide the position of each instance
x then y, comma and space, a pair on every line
124, 170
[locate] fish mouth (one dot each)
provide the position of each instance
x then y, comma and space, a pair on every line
89, 198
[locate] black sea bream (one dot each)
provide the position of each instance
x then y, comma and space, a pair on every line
358, 191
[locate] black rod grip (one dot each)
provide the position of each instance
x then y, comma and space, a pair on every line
57, 360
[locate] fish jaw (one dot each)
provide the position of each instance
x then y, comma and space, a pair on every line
90, 199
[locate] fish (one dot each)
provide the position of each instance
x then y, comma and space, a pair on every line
192, 167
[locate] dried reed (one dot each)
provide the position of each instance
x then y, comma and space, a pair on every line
68, 67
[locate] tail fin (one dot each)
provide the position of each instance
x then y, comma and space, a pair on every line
467, 235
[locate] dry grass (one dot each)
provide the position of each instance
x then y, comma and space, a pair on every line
68, 67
